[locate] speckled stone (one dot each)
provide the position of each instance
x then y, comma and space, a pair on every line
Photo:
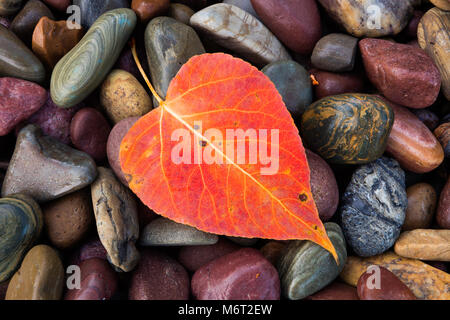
373, 207
335, 52
424, 244
422, 201
9, 7
91, 10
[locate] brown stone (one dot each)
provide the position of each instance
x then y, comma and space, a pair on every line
330, 84
441, 4
422, 200
180, 12
335, 291
443, 134
53, 39
148, 9
273, 250
443, 210
424, 244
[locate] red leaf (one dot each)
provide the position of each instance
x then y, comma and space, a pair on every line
230, 198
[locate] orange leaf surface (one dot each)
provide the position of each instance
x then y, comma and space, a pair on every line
230, 198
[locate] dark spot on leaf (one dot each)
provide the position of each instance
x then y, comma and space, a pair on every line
203, 143
303, 197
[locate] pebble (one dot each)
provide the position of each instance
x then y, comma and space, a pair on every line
22, 63
165, 232
441, 4
373, 207
238, 31
245, 5
411, 29
293, 83
412, 144
60, 5
68, 219
21, 223
91, 10
149, 9
52, 40
89, 132
402, 73
19, 99
273, 251
330, 84
122, 96
386, 287
169, 44
181, 13
9, 7
347, 128
335, 291
116, 217
40, 277
422, 201
428, 117
335, 52
442, 133
116, 135
357, 17
296, 23
324, 186
305, 267
241, 275
158, 277
91, 249
424, 244
62, 170
443, 210
98, 281
422, 279
85, 67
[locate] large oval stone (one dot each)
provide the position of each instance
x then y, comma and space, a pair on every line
373, 207
83, 69
305, 267
91, 10
424, 244
348, 128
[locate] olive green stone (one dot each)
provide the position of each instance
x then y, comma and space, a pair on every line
305, 267
84, 68
348, 128
8, 7
20, 224
16, 60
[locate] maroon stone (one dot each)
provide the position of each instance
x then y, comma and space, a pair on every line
336, 291
241, 275
60, 5
98, 281
89, 131
158, 277
3, 288
443, 210
428, 117
296, 23
411, 28
19, 99
402, 73
331, 83
93, 248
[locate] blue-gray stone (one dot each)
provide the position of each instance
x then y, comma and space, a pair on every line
91, 10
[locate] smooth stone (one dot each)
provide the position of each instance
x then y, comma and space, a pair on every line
19, 99
412, 144
40, 277
330, 84
241, 275
52, 40
424, 244
98, 281
402, 73
9, 7
293, 83
158, 277
347, 128
60, 5
373, 207
21, 223
91, 10
305, 267
23, 63
116, 217
245, 5
273, 251
433, 36
194, 257
45, 168
422, 279
27, 19
324, 186
390, 287
149, 9
68, 219
89, 131
85, 67
428, 117
122, 96
357, 17
443, 210
169, 45
91, 249
238, 31
335, 291
422, 200
180, 12
442, 133
335, 52
441, 4
296, 23
116, 135
165, 232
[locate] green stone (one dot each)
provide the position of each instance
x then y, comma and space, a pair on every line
305, 267
20, 225
16, 60
84, 68
348, 128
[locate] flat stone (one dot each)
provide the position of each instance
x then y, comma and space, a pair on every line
335, 291
9, 7
424, 244
180, 12
442, 133
422, 200
335, 52
237, 30
165, 232
443, 210
149, 9
330, 84
45, 168
91, 10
